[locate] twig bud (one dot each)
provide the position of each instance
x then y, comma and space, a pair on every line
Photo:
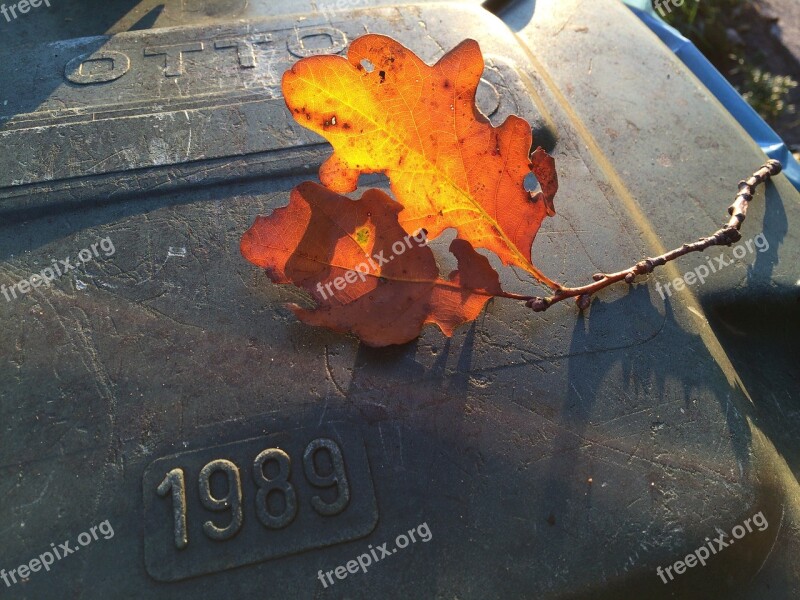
774, 166
538, 304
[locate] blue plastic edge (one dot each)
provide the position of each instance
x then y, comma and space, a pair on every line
769, 141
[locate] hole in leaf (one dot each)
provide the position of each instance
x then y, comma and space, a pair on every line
368, 66
531, 184
487, 98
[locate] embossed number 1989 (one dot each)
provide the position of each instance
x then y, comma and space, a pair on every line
175, 482
220, 507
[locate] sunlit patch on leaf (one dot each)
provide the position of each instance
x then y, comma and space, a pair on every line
362, 236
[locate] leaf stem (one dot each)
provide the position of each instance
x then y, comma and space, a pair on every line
727, 235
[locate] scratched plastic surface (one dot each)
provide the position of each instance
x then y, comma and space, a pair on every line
165, 388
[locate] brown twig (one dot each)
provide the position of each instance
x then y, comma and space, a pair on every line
729, 234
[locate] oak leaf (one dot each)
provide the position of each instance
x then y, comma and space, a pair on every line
384, 110
365, 273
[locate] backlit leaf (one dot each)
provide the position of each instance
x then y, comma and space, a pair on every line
365, 273
385, 110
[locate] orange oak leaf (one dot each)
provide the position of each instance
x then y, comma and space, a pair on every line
365, 273
384, 110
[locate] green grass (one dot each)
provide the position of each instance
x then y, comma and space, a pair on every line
709, 23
